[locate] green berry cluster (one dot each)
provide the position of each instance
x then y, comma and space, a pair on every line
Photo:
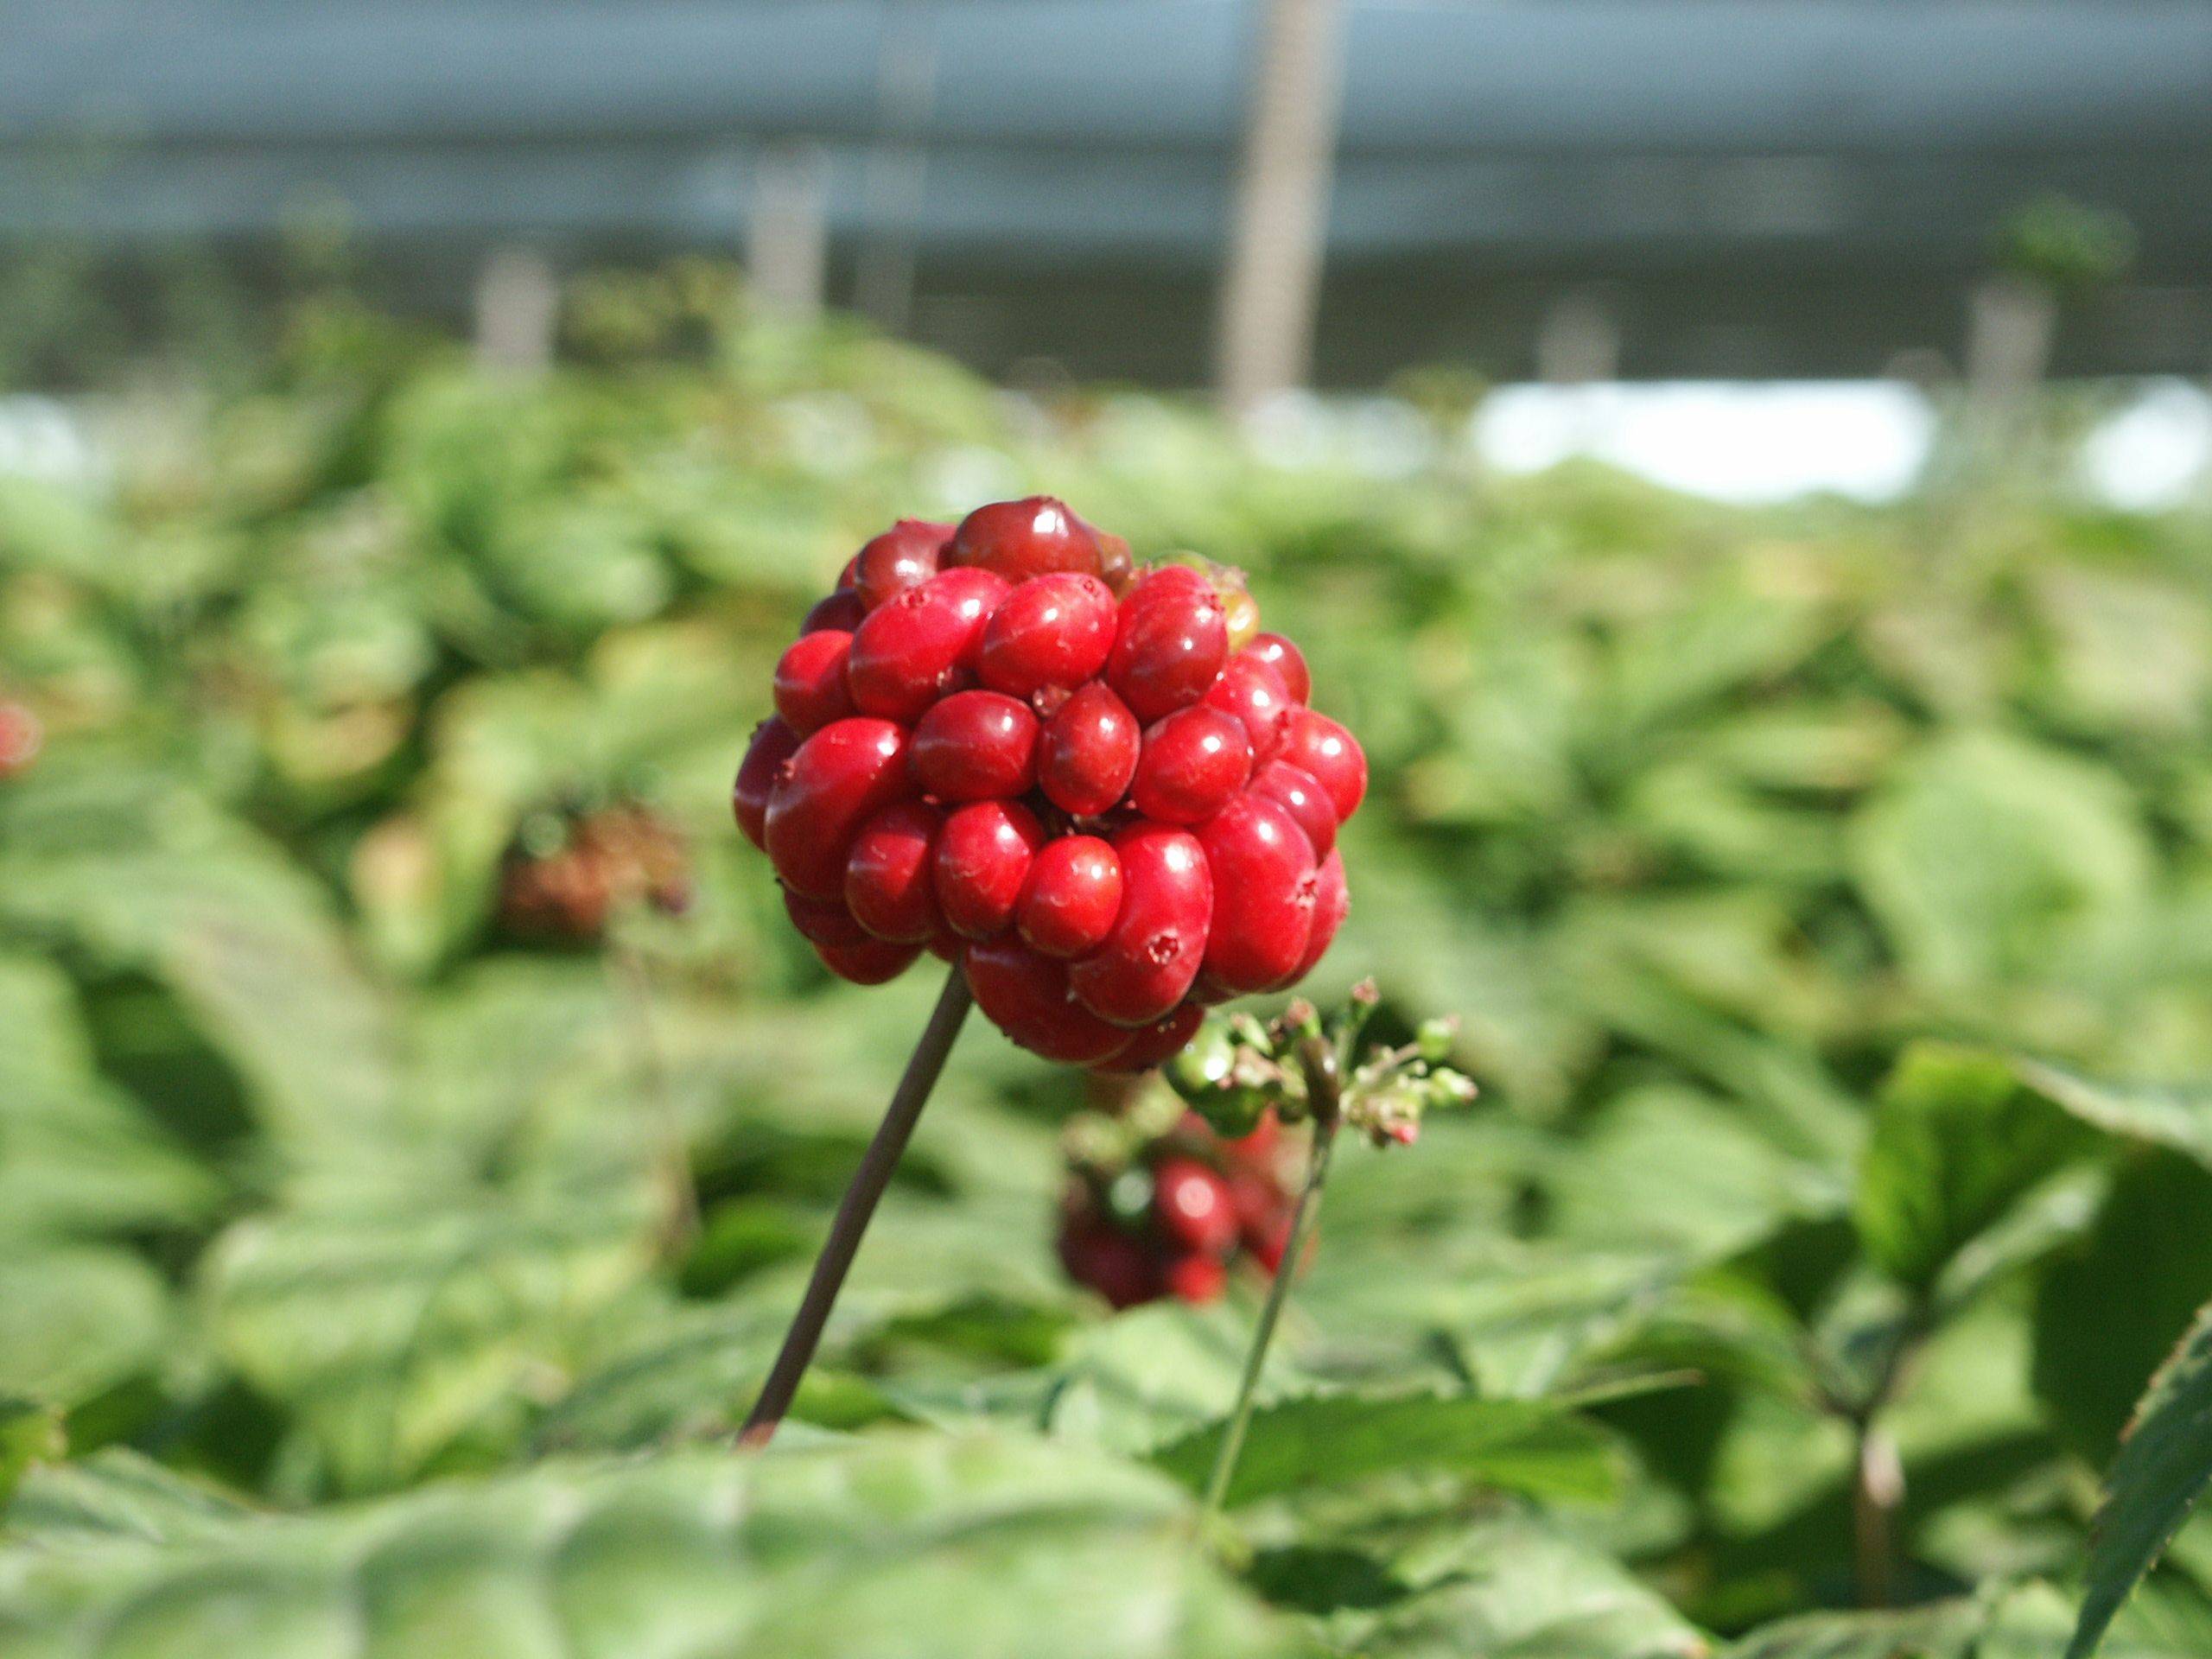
1306, 1064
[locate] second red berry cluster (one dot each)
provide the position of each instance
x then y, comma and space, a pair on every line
1185, 1208
1098, 789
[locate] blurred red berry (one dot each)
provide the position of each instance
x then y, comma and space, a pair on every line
1192, 1205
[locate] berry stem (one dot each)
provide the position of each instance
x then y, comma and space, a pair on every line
854, 1211
1324, 1076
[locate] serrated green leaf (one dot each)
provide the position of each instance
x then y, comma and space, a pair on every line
2163, 1466
1321, 1440
1513, 1588
1957, 1141
1943, 1631
1991, 858
396, 1331
922, 1546
114, 1495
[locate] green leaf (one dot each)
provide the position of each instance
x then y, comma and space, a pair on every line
29, 1432
2164, 1115
1957, 1141
76, 1321
1513, 1588
77, 1157
2163, 1466
2107, 1308
113, 1496
1990, 858
396, 1332
923, 1546
1326, 1440
1942, 1630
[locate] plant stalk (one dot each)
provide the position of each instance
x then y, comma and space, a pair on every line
1877, 1490
854, 1211
1325, 1120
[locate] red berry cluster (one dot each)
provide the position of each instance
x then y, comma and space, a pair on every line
1182, 1214
21, 737
566, 874
1100, 791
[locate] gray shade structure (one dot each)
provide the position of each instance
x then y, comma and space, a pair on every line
1747, 186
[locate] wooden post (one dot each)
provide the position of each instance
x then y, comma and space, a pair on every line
897, 166
786, 229
1271, 290
518, 311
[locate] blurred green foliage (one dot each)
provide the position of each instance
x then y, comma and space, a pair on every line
317, 1183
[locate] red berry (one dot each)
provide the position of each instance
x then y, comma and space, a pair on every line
890, 882
1172, 642
1052, 631
1192, 1206
810, 681
1192, 763
978, 594
975, 745
1331, 903
906, 556
1088, 752
836, 781
982, 864
1111, 1262
1286, 660
1034, 536
773, 743
1026, 995
1259, 1203
1159, 1043
1195, 1278
842, 610
911, 650
1115, 567
1264, 887
872, 961
1150, 959
1073, 896
1317, 744
824, 921
1255, 693
1292, 788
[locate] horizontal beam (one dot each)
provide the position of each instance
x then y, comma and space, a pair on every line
1507, 78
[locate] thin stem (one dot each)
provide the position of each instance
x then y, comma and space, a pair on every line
1877, 1490
859, 1203
680, 1200
1301, 1229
